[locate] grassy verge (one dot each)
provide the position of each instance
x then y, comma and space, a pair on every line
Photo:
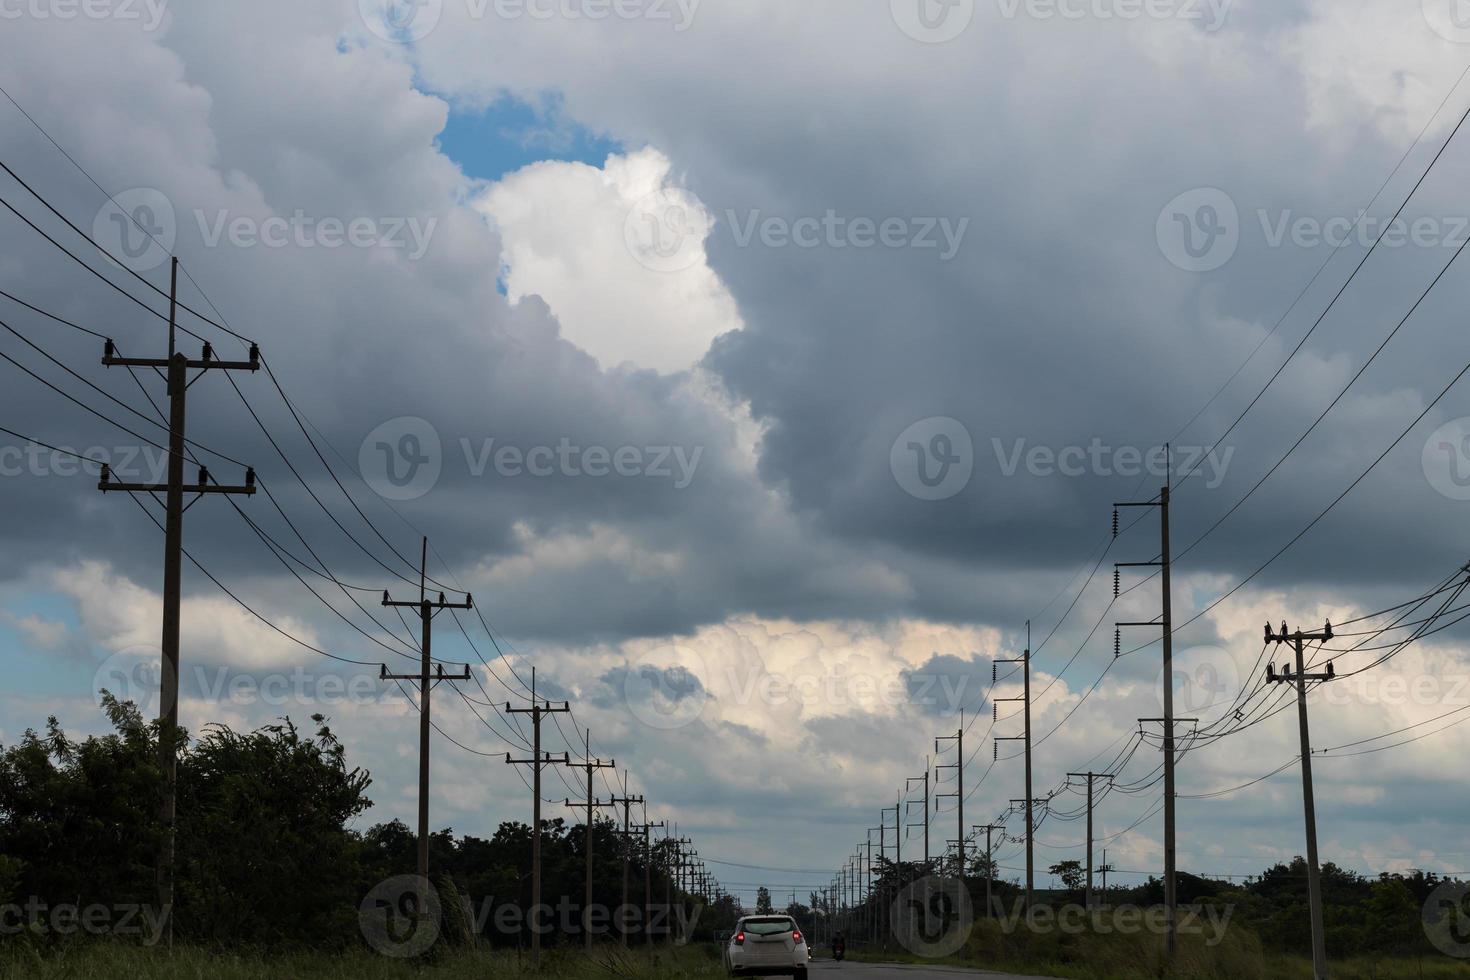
100, 961
1236, 955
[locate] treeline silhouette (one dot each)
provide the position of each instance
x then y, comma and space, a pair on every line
268, 855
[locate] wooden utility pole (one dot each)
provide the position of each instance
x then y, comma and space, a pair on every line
626, 802
537, 762
1165, 624
959, 794
178, 367
1089, 776
1025, 661
1301, 679
591, 765
427, 610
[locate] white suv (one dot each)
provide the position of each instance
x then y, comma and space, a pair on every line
767, 945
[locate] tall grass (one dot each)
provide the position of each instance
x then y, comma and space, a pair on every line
104, 961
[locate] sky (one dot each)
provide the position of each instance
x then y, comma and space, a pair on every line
762, 369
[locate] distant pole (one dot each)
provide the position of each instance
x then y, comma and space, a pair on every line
959, 794
591, 765
1165, 624
537, 762
427, 610
1025, 661
1300, 680
1089, 776
626, 802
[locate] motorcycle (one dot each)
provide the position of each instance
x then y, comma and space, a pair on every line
839, 949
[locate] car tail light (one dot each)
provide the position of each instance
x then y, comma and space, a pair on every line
740, 939
796, 935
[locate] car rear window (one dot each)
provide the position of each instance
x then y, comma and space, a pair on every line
769, 927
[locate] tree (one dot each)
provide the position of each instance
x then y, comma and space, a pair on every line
264, 851
1071, 873
983, 866
763, 904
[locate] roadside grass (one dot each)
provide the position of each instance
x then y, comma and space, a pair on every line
1237, 955
1374, 968
104, 961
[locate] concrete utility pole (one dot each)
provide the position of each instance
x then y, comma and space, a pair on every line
990, 863
648, 874
868, 903
678, 844
1165, 624
427, 610
537, 762
178, 367
1089, 776
959, 794
626, 802
591, 765
1025, 661
925, 780
1300, 679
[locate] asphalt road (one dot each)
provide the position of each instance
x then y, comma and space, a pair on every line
880, 971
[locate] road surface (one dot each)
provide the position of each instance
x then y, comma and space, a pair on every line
828, 970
